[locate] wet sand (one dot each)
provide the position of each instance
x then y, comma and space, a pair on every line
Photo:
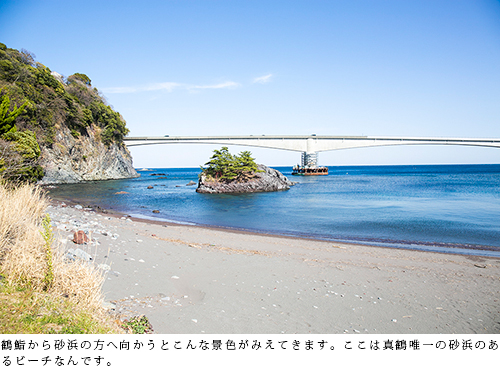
189, 279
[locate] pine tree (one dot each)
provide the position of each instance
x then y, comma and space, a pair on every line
223, 166
246, 165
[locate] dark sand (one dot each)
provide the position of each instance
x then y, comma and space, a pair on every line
189, 279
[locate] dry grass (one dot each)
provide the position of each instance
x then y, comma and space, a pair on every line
29, 260
21, 243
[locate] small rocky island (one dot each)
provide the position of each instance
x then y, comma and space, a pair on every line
239, 174
266, 180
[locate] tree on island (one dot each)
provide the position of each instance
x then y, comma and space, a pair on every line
223, 166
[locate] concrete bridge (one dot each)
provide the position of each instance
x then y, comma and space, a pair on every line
310, 145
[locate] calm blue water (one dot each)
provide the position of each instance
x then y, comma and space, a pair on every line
447, 208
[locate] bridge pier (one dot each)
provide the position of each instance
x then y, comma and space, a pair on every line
309, 159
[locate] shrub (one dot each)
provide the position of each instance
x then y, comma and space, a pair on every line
19, 153
138, 325
7, 118
80, 77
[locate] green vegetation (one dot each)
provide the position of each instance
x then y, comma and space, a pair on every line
36, 103
138, 325
19, 152
223, 166
23, 310
48, 237
7, 118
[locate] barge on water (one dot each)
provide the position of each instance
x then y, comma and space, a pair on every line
309, 171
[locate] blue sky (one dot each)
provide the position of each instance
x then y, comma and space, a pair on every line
358, 67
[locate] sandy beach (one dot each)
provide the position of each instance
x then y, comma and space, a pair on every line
189, 279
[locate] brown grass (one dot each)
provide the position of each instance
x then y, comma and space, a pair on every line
21, 253
30, 260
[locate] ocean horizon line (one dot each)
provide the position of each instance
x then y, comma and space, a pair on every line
343, 165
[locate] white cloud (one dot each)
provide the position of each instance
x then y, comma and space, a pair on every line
262, 79
167, 86
228, 84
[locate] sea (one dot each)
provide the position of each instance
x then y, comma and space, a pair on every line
441, 208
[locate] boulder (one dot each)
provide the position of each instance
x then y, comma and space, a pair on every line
265, 180
80, 238
80, 254
72, 255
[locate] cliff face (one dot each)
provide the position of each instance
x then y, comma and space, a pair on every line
268, 180
85, 158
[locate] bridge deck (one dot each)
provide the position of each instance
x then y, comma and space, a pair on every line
311, 143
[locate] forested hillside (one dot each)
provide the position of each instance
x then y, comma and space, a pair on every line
36, 104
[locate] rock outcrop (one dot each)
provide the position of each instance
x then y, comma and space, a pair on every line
84, 158
268, 180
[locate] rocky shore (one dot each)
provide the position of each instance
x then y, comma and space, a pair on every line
266, 180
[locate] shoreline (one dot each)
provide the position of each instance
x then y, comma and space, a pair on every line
196, 279
420, 246
428, 247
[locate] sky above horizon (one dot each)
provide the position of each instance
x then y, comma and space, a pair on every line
361, 67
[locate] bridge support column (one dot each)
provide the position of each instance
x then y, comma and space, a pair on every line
309, 159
